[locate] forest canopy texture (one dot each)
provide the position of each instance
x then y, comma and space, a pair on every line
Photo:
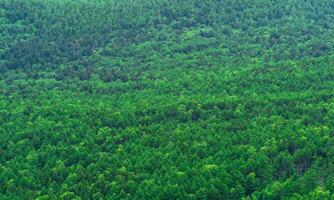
167, 99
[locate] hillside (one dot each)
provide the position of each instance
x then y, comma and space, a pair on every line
166, 99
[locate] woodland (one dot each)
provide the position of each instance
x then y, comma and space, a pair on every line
167, 99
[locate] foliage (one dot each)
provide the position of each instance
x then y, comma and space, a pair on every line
166, 99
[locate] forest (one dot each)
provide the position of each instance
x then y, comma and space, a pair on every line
167, 99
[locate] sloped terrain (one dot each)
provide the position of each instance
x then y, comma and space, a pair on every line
166, 99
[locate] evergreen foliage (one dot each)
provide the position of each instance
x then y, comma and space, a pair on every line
167, 99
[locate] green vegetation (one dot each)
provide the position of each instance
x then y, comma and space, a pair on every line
166, 99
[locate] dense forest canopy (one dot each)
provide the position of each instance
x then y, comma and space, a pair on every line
166, 99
